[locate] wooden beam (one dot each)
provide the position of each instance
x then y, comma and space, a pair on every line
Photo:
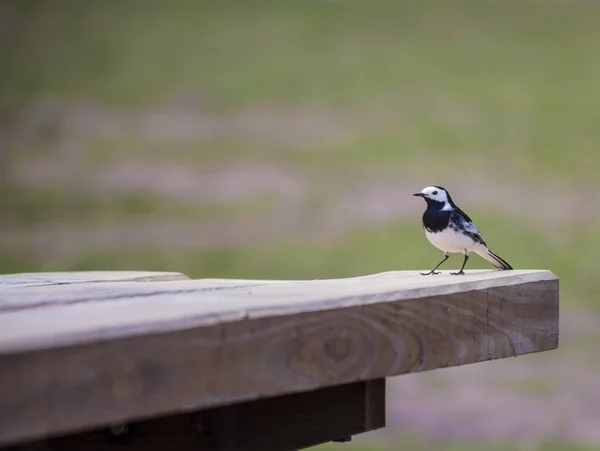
283, 423
85, 355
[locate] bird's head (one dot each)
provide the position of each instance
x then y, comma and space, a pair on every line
434, 194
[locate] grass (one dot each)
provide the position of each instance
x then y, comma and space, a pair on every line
509, 85
537, 385
450, 446
31, 207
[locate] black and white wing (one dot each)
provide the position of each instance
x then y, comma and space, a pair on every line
463, 221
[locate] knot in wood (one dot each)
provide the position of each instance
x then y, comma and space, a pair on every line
338, 348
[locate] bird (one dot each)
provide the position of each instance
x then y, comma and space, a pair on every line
451, 230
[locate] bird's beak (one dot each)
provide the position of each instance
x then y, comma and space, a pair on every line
419, 194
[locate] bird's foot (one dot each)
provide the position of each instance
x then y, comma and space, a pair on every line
459, 273
433, 273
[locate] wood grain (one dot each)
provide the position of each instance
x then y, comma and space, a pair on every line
110, 352
282, 423
59, 278
14, 297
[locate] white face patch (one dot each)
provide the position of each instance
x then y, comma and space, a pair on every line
437, 194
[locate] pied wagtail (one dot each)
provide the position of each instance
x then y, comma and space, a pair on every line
449, 229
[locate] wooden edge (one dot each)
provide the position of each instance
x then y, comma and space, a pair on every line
178, 305
283, 423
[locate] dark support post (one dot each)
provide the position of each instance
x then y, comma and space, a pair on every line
284, 423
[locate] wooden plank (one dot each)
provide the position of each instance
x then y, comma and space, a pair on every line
122, 309
114, 286
59, 278
111, 352
282, 423
13, 298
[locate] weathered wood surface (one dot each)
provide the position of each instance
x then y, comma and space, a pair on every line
283, 423
59, 278
81, 355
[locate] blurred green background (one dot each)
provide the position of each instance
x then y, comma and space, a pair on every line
284, 139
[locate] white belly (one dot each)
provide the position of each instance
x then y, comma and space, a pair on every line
451, 241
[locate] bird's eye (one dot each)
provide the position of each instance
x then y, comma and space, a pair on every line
434, 193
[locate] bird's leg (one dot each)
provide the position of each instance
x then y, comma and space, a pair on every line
462, 267
446, 255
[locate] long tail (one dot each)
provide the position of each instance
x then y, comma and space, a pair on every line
494, 259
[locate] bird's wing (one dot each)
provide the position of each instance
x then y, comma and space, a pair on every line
468, 226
